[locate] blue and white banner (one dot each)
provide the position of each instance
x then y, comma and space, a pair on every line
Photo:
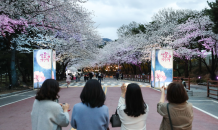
44, 67
162, 67
54, 65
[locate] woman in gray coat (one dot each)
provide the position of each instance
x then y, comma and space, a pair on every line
47, 114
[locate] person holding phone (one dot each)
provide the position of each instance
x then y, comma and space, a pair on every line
91, 113
47, 114
132, 109
180, 111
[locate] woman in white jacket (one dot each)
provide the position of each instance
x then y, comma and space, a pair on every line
132, 109
47, 114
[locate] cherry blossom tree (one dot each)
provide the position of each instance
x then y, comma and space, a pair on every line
8, 27
54, 21
197, 31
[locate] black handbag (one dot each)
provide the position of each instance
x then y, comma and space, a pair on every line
115, 120
169, 116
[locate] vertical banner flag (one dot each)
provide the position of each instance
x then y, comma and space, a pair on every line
54, 65
152, 67
162, 67
44, 66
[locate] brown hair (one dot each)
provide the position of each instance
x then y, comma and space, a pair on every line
176, 93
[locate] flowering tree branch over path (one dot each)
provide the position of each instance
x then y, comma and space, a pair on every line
188, 32
64, 26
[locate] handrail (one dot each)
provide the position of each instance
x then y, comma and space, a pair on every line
178, 79
141, 78
210, 92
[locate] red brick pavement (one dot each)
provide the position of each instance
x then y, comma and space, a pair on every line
17, 116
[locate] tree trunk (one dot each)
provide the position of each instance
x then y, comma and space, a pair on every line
199, 66
6, 78
214, 65
134, 68
28, 77
186, 69
13, 66
31, 77
200, 59
179, 74
190, 65
63, 70
22, 72
139, 68
124, 68
149, 67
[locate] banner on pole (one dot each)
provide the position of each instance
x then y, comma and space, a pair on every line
161, 67
44, 66
54, 65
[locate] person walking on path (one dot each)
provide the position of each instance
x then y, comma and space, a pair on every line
121, 76
79, 76
183, 82
76, 75
99, 77
132, 110
86, 77
117, 75
178, 113
68, 80
91, 113
102, 76
46, 113
90, 75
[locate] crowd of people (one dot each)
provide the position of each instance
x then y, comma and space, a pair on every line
87, 76
92, 114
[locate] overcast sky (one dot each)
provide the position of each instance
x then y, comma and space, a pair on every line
112, 14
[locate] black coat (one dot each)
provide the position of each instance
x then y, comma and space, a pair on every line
117, 74
90, 75
100, 76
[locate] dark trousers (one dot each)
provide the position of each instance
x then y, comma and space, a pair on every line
99, 80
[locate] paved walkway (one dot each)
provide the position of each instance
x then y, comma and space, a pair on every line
16, 116
108, 82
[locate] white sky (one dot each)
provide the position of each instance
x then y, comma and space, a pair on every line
112, 14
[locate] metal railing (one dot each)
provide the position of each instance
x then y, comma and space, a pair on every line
187, 80
140, 78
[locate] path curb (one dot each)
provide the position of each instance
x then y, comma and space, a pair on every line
8, 94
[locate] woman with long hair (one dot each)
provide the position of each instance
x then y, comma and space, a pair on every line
91, 113
179, 115
132, 109
47, 114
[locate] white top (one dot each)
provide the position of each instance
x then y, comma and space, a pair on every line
68, 78
48, 115
128, 122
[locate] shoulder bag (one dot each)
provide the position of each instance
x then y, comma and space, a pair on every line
171, 125
115, 120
